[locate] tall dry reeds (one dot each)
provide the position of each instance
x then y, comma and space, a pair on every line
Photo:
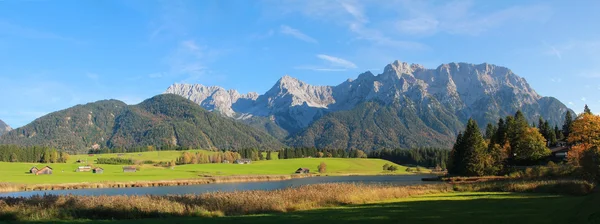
69, 207
50, 207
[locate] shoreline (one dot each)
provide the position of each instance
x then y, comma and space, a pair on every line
13, 187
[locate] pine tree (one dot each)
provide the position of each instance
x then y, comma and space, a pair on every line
269, 155
490, 131
567, 125
587, 110
469, 152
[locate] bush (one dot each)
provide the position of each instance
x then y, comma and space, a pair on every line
393, 168
322, 167
386, 166
590, 164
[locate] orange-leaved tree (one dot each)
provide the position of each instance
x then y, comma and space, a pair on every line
585, 134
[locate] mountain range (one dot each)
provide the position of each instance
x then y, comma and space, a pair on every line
407, 105
4, 128
165, 120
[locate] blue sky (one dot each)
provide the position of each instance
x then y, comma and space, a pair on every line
56, 54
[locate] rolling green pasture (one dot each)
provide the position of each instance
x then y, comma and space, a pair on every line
65, 172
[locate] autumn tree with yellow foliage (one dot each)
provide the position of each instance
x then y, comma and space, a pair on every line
585, 134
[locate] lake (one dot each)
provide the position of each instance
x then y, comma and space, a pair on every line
400, 180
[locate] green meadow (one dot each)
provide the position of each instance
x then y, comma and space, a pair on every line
65, 172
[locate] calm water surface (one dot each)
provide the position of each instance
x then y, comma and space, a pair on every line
204, 188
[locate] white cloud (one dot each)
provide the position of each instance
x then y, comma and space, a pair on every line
571, 103
337, 62
296, 34
332, 64
557, 80
583, 99
188, 59
461, 17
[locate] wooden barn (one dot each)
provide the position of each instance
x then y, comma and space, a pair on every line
98, 170
303, 170
84, 169
129, 169
45, 170
243, 161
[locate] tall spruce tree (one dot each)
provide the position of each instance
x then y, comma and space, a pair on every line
568, 124
490, 131
469, 152
587, 110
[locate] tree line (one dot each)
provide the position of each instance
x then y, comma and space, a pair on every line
426, 157
312, 152
32, 154
202, 158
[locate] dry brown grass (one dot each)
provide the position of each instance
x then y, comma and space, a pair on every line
50, 207
69, 207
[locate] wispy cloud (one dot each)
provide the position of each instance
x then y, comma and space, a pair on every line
461, 17
296, 34
583, 99
337, 62
331, 64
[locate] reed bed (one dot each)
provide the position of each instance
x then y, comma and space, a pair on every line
7, 187
70, 207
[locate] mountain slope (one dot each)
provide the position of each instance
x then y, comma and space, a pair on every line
4, 128
444, 98
169, 119
164, 120
75, 128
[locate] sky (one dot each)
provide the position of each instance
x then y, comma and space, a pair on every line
57, 54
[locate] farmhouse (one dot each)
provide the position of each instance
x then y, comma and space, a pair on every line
98, 170
84, 169
303, 170
33, 170
243, 161
129, 169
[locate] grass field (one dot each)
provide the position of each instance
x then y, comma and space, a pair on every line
489, 208
64, 172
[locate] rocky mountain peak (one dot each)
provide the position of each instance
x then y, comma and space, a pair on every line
4, 128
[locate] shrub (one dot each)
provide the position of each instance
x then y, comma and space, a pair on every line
393, 168
386, 166
322, 167
590, 164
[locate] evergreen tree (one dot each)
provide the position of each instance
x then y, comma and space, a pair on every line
490, 131
469, 152
587, 110
558, 133
567, 125
269, 155
500, 137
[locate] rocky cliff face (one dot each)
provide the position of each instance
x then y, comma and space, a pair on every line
4, 128
484, 92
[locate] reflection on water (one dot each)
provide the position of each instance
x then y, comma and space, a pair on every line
198, 189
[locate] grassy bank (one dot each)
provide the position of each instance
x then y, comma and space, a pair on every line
16, 178
220, 204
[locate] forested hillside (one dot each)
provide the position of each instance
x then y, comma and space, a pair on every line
164, 121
